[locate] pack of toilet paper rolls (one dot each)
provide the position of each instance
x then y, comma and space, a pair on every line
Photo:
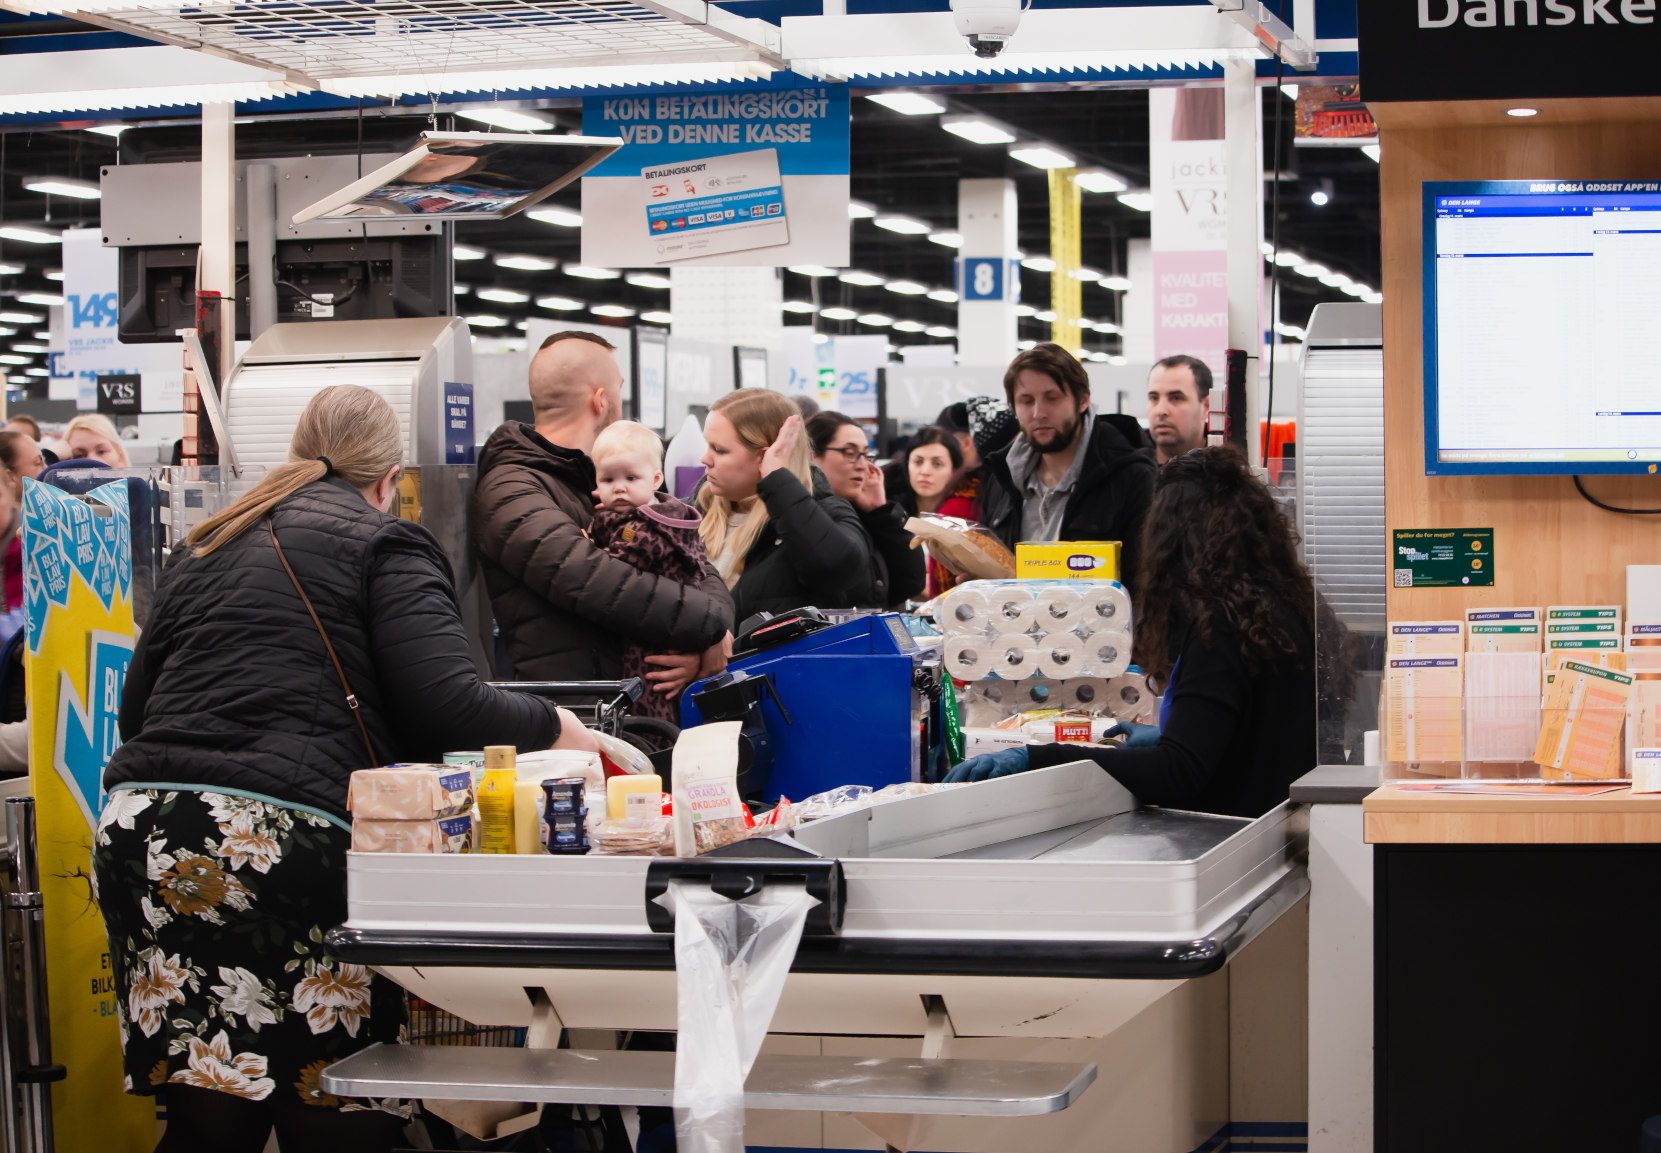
1124, 698
1017, 630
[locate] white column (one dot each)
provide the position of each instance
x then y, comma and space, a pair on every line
1243, 137
219, 220
737, 306
987, 219
1136, 313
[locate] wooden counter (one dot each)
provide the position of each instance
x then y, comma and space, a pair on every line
1421, 817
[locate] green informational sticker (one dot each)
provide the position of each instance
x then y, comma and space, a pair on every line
1439, 558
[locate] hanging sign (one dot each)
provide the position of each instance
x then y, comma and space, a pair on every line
1189, 178
745, 176
90, 346
78, 574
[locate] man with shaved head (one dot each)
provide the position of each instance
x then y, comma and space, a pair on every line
565, 607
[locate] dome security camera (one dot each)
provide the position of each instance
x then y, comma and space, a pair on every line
986, 25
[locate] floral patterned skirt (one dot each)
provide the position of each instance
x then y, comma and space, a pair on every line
216, 906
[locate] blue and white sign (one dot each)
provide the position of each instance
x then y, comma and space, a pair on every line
91, 348
458, 423
756, 175
988, 278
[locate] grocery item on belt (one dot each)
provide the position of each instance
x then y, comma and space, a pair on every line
565, 815
410, 792
634, 797
434, 835
496, 811
709, 810
1025, 630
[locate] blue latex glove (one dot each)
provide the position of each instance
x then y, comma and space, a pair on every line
1003, 763
1139, 736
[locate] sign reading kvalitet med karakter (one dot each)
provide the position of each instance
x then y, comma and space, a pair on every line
753, 176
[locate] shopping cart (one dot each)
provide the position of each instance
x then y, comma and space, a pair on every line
607, 707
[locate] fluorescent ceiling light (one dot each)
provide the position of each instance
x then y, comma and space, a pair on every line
558, 303
820, 338
11, 317
29, 348
7, 269
521, 325
1320, 198
1045, 316
1371, 152
1115, 283
1310, 269
811, 270
909, 326
1025, 310
502, 295
1115, 359
647, 280
467, 252
31, 234
1039, 264
908, 103
907, 287
1354, 289
1096, 357
1331, 280
1267, 249
657, 316
459, 289
1026, 345
1140, 201
940, 331
61, 186
36, 372
526, 263
859, 210
418, 80
553, 214
977, 129
1286, 258
904, 225
111, 130
510, 118
1374, 298
1100, 180
486, 321
591, 272
7, 331
875, 319
8, 358
1522, 113
1291, 330
1084, 272
1105, 327
800, 306
54, 274
861, 279
43, 299
943, 295
1041, 155
614, 310
947, 239
838, 313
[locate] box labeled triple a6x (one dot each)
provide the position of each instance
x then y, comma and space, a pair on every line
1067, 560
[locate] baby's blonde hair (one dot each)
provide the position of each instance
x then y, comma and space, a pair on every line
628, 436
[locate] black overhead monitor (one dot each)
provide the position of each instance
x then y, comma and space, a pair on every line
465, 176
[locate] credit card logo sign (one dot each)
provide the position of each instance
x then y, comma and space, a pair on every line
756, 210
659, 191
775, 209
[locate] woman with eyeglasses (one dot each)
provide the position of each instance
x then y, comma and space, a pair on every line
1225, 627
842, 453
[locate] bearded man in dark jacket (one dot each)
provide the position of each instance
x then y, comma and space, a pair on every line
566, 607
1071, 474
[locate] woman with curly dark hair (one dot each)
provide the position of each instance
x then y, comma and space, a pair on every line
1225, 628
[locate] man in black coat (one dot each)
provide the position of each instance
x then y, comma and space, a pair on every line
1071, 474
566, 607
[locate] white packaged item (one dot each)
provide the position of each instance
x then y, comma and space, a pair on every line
1646, 770
443, 835
410, 792
709, 811
980, 740
1052, 629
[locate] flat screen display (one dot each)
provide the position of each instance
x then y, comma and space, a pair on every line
1542, 327
465, 176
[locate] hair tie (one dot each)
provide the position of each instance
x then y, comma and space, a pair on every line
328, 465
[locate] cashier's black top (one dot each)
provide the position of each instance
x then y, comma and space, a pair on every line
1235, 739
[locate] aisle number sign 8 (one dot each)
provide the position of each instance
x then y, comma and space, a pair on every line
988, 278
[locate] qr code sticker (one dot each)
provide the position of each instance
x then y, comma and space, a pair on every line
1404, 578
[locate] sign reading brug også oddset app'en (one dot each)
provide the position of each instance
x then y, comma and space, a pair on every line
755, 175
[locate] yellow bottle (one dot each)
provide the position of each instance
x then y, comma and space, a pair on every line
496, 800
527, 816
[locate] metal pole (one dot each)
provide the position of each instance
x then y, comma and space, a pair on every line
262, 248
8, 1078
1245, 228
36, 1072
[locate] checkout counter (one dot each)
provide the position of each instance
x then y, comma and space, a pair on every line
1036, 920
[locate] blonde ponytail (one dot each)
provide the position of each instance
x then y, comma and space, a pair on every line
344, 429
756, 415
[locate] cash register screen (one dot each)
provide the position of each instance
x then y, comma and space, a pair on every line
1542, 327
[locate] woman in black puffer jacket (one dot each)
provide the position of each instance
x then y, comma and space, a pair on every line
775, 530
220, 857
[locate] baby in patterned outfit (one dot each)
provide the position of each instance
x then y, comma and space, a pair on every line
643, 528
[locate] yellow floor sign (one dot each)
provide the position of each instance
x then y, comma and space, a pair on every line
78, 566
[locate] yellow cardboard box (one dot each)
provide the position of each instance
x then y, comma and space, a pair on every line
1067, 560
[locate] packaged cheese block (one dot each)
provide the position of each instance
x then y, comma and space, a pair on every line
410, 792
443, 835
